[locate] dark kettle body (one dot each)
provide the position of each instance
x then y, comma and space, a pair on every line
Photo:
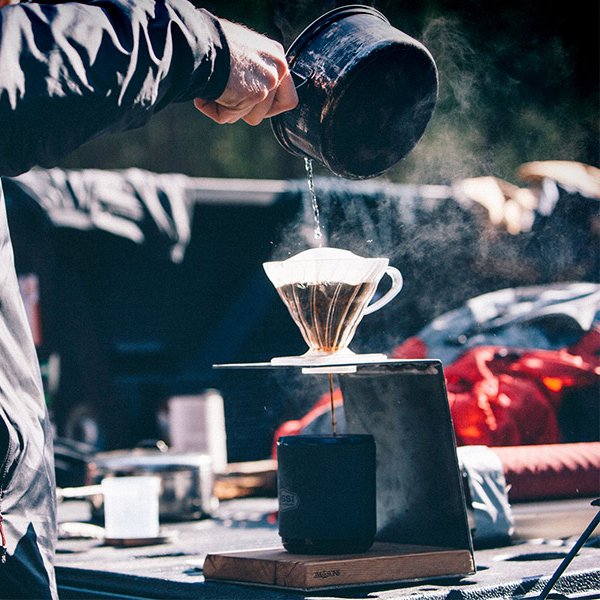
366, 93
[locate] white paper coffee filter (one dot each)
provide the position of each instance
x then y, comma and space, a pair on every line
321, 265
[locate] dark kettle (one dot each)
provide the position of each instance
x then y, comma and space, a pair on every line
366, 93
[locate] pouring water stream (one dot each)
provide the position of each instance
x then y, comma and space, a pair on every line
308, 165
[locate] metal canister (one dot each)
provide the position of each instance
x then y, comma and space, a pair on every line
187, 480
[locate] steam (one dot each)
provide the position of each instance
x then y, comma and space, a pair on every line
443, 249
432, 240
493, 112
459, 66
453, 145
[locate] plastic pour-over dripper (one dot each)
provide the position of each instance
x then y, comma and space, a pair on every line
327, 291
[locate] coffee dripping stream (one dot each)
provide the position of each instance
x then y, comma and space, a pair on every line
332, 404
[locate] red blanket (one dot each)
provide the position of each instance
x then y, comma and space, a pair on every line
504, 397
500, 396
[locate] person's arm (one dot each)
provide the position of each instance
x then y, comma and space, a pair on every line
259, 84
70, 72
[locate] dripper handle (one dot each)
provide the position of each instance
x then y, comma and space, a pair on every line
397, 283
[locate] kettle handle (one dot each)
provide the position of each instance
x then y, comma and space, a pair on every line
299, 80
397, 283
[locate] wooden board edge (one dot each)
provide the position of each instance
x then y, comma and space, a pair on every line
377, 569
307, 574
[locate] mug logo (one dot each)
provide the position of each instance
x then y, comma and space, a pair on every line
288, 500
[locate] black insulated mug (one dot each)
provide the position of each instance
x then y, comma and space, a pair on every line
326, 492
366, 93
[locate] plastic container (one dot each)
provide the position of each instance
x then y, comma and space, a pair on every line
131, 507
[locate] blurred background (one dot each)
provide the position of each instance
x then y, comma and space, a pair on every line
132, 312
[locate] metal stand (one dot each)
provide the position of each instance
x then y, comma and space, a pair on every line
403, 404
572, 553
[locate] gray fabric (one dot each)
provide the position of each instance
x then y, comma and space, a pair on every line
70, 72
134, 204
489, 495
546, 317
28, 505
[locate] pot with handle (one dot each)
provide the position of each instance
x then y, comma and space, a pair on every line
366, 93
187, 480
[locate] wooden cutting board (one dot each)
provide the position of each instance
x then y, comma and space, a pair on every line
383, 563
